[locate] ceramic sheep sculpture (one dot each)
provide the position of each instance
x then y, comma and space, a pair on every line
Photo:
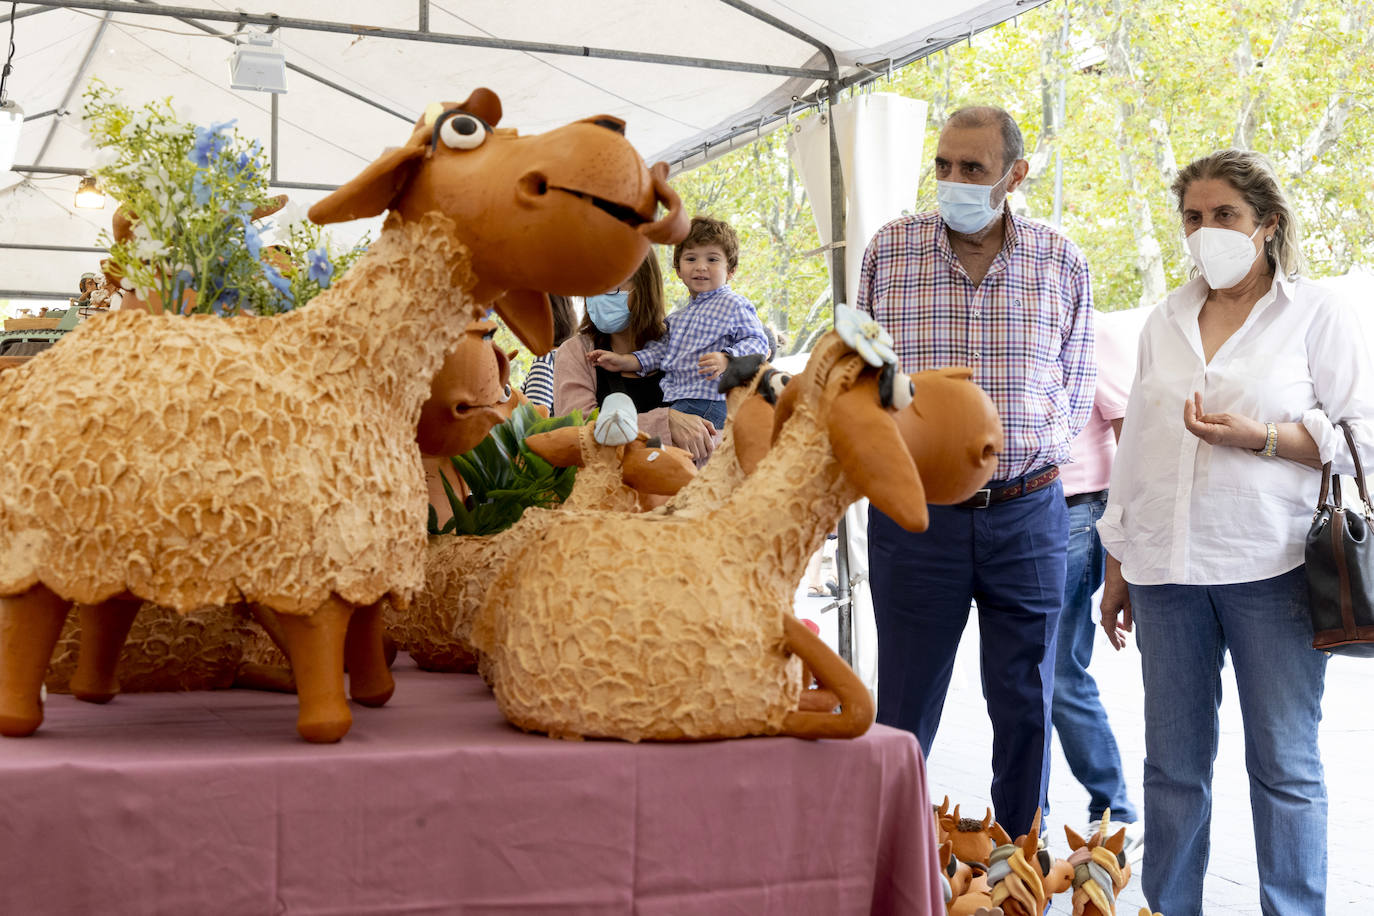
197, 461
678, 625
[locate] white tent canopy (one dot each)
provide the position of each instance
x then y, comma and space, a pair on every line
692, 78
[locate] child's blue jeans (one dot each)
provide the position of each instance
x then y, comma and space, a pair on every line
709, 409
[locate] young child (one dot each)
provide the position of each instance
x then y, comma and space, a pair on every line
716, 322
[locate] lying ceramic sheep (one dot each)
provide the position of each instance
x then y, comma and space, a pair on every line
196, 461
678, 625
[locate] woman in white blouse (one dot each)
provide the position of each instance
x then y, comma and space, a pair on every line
1242, 374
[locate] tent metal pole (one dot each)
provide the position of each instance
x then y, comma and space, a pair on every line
272, 140
82, 249
423, 24
68, 170
76, 81
476, 41
845, 598
18, 16
790, 29
33, 294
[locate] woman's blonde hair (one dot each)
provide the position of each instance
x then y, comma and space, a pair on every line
1252, 175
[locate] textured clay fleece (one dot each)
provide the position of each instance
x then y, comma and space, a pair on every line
198, 461
696, 648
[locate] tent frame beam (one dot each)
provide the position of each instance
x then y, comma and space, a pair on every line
68, 170
477, 41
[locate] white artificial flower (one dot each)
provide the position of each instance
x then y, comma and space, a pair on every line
866, 336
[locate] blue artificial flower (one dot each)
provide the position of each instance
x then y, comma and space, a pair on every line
227, 303
321, 268
200, 190
209, 143
280, 284
251, 238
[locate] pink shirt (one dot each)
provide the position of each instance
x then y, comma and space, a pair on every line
1092, 451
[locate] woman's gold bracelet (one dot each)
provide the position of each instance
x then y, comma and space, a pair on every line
1271, 441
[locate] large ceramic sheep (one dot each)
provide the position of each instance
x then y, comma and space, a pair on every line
678, 625
196, 461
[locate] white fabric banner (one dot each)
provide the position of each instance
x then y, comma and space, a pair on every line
880, 138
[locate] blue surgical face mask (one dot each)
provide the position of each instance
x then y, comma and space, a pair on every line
610, 312
967, 208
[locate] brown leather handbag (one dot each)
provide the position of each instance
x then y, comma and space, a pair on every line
1340, 566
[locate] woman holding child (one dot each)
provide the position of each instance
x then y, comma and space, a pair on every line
622, 320
1243, 373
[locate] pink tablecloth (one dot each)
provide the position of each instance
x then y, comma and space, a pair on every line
207, 803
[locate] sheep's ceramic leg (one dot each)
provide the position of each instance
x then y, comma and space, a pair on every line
315, 645
30, 625
369, 677
104, 627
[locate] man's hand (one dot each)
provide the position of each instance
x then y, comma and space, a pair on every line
616, 362
1116, 601
712, 365
1222, 428
691, 432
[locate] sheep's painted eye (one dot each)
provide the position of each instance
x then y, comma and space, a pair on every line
903, 391
507, 392
462, 131
778, 382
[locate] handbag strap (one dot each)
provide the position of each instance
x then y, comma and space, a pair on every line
1359, 468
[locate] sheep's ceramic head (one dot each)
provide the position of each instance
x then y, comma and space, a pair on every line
1098, 868
859, 393
469, 395
570, 211
953, 432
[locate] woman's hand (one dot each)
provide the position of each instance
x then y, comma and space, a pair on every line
1222, 428
1116, 602
691, 432
712, 365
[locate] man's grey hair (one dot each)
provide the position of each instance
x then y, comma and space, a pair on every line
1013, 145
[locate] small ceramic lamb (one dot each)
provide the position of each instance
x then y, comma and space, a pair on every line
196, 461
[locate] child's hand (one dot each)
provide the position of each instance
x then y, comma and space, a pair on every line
712, 365
616, 362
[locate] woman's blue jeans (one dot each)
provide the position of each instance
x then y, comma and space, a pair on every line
1184, 632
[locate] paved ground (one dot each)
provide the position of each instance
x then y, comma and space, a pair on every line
960, 768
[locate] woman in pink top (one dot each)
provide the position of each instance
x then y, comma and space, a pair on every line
624, 320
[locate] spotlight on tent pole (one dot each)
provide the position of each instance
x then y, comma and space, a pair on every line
88, 195
11, 122
257, 63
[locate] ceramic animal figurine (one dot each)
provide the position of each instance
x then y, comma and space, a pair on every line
196, 461
678, 625
1100, 869
1023, 877
459, 569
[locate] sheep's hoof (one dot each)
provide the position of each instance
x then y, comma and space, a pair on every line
94, 690
324, 726
21, 722
375, 691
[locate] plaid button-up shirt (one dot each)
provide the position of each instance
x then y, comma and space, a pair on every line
1026, 330
720, 320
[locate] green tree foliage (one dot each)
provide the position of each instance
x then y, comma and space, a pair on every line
1148, 85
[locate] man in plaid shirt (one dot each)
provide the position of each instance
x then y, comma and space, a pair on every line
974, 285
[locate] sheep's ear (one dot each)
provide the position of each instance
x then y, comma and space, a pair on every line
484, 103
374, 189
560, 447
529, 315
658, 471
1075, 841
787, 402
753, 430
874, 456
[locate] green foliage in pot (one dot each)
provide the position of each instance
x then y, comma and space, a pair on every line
505, 477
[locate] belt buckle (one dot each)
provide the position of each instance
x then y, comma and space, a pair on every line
980, 500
